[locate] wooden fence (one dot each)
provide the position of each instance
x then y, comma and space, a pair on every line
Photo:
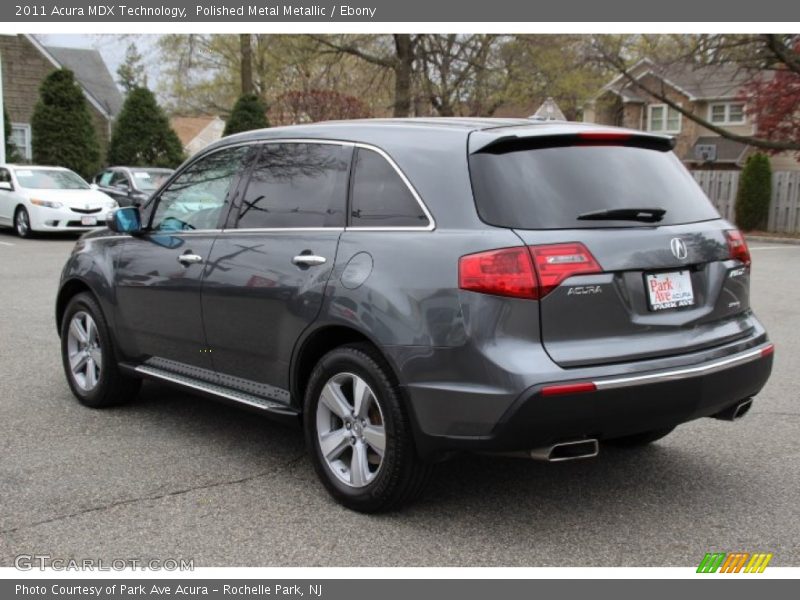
784, 209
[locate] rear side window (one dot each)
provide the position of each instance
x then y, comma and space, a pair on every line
380, 197
549, 188
297, 185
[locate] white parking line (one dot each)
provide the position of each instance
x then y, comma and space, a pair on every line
6, 244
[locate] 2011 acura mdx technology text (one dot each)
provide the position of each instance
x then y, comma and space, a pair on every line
408, 289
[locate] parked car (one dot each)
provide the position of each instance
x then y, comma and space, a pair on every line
49, 199
408, 289
131, 186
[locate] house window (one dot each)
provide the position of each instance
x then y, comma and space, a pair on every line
21, 138
726, 113
663, 119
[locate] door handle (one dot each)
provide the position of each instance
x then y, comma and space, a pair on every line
189, 259
309, 260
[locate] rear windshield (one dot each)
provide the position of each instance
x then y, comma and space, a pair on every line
549, 188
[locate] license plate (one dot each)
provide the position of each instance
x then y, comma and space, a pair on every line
669, 290
89, 221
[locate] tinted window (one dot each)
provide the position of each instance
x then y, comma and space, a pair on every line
547, 188
297, 185
380, 197
195, 199
119, 179
104, 178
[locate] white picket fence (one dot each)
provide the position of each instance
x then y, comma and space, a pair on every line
784, 209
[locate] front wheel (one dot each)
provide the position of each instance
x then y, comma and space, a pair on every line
88, 356
22, 223
359, 433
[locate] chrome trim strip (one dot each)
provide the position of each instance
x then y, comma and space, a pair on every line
676, 374
265, 404
280, 229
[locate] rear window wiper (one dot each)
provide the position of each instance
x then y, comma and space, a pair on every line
645, 215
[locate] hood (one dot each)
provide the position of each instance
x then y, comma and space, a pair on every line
86, 199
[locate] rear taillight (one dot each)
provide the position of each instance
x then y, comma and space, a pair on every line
521, 272
556, 262
738, 246
505, 272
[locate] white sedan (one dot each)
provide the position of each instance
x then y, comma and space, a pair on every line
49, 199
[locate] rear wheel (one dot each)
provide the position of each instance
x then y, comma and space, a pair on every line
22, 223
88, 356
640, 439
359, 434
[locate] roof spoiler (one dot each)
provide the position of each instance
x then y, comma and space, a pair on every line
590, 137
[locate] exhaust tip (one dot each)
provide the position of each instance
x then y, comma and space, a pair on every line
567, 451
742, 409
735, 412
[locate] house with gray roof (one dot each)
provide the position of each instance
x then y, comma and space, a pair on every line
717, 93
26, 62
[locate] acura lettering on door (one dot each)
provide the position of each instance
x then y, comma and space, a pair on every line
410, 289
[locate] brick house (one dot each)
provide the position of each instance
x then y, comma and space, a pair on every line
26, 62
714, 92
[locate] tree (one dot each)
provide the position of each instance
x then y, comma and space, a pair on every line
775, 101
754, 194
317, 105
131, 73
246, 51
11, 150
142, 136
61, 126
248, 113
397, 56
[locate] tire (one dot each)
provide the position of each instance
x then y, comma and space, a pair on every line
85, 337
640, 439
22, 223
382, 483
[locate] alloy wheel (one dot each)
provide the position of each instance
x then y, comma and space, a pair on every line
350, 430
23, 223
84, 351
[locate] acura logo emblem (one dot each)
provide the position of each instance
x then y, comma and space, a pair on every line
678, 247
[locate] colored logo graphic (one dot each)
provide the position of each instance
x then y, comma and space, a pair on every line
735, 562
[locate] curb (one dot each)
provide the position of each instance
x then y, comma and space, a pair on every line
773, 240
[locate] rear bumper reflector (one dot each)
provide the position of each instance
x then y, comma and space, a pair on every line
568, 388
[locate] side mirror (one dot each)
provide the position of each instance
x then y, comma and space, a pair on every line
94, 186
125, 220
7, 186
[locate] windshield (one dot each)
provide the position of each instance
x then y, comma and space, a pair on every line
149, 180
551, 187
50, 179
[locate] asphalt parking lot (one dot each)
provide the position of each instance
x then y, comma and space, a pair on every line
177, 476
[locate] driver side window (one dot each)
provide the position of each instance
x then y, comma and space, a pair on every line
195, 198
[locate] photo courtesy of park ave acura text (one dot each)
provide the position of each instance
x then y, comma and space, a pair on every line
308, 298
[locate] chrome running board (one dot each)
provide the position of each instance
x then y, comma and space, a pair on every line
219, 391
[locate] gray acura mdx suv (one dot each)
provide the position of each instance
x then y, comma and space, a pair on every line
408, 289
